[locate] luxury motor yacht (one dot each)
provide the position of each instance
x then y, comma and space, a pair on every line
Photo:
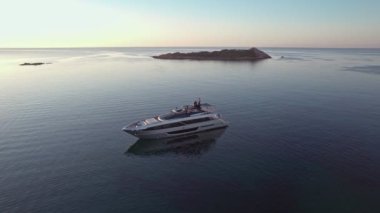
186, 120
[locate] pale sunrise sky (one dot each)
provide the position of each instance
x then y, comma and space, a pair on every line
269, 23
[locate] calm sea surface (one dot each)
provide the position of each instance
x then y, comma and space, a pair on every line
304, 132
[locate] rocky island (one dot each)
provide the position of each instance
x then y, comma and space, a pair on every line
33, 64
251, 54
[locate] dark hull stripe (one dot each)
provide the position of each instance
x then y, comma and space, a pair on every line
183, 131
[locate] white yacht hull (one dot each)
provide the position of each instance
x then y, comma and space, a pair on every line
177, 131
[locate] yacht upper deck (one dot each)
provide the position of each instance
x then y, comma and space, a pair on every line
187, 111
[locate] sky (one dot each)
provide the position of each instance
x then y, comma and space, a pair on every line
158, 23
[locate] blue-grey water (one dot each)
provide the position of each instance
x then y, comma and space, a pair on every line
304, 132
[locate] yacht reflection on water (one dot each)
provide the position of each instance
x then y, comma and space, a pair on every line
194, 144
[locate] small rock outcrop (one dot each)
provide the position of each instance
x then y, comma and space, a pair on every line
252, 54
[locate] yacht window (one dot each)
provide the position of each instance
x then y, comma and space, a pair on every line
166, 126
198, 120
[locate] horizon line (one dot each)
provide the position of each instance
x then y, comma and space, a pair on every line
77, 47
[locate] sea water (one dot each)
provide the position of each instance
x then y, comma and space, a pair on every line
304, 132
